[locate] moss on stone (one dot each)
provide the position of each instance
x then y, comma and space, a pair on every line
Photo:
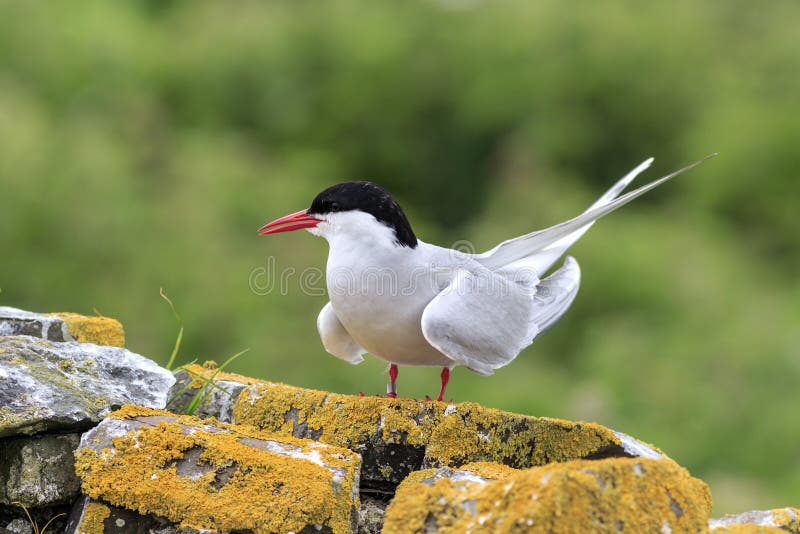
98, 330
451, 434
93, 519
617, 494
262, 493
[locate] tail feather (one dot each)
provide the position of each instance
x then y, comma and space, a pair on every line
539, 262
539, 250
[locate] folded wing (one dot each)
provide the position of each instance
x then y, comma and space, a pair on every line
482, 320
336, 339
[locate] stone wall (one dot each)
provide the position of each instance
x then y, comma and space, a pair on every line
99, 434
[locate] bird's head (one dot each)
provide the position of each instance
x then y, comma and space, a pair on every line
356, 209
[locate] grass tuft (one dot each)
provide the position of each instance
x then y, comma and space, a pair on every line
34, 524
208, 383
179, 339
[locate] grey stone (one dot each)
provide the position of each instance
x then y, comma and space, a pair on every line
120, 521
48, 386
14, 322
16, 521
38, 471
787, 519
219, 402
370, 514
20, 526
636, 449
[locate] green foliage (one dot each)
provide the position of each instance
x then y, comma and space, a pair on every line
143, 143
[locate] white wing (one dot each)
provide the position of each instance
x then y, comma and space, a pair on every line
538, 250
336, 339
554, 295
482, 320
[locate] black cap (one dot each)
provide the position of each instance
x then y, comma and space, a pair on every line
369, 198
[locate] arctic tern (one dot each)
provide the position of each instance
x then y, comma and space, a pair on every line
408, 302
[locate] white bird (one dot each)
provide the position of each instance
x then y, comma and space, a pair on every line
408, 302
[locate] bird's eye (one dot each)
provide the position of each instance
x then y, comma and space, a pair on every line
333, 206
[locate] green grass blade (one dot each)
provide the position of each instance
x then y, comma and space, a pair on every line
178, 341
208, 385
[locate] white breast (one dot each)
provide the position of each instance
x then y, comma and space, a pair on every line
379, 290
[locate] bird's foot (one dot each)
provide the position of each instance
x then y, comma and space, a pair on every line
391, 395
429, 399
361, 394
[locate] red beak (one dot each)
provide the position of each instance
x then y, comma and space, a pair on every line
289, 223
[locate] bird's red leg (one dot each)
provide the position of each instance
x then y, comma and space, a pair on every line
391, 390
445, 380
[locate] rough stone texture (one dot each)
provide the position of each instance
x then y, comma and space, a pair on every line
611, 495
219, 399
15, 520
46, 386
398, 436
61, 327
215, 476
94, 517
18, 526
370, 515
38, 471
780, 520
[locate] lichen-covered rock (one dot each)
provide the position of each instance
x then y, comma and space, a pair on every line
370, 515
398, 436
61, 327
218, 398
206, 475
46, 386
779, 520
38, 471
611, 495
17, 526
94, 517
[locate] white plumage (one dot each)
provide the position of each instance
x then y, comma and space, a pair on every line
408, 302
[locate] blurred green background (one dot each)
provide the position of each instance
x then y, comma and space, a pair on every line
143, 143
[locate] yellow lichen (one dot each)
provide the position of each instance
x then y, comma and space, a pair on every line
487, 470
200, 373
787, 518
97, 330
451, 434
748, 529
618, 494
93, 518
262, 493
386, 471
490, 470
782, 520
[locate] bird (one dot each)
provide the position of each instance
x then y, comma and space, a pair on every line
412, 303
